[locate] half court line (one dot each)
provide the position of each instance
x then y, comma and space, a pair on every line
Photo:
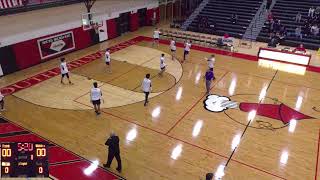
317, 161
244, 131
194, 105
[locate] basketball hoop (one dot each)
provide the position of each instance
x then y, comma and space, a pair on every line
95, 23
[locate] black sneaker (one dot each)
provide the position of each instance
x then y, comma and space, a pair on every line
106, 166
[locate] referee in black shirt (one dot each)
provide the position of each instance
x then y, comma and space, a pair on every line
114, 151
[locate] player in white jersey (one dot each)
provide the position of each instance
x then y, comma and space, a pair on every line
64, 71
146, 88
156, 37
162, 65
108, 60
96, 97
187, 47
211, 60
173, 48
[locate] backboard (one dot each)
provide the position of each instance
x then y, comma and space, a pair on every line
90, 20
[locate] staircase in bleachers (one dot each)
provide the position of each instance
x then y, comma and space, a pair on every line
257, 22
286, 11
194, 14
219, 13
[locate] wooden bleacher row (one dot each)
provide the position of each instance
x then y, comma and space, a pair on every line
196, 38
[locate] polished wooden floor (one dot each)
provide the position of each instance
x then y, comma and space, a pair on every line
175, 137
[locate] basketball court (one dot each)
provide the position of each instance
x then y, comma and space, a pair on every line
260, 121
177, 136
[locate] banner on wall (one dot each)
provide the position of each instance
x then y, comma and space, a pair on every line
55, 45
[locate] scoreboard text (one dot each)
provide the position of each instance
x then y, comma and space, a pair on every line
24, 160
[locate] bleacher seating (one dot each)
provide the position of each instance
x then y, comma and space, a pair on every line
219, 13
286, 11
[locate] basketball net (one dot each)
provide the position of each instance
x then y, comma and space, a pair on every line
90, 21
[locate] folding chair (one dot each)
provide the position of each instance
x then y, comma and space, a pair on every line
197, 38
203, 39
179, 35
163, 34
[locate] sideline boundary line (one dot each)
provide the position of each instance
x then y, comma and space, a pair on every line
317, 161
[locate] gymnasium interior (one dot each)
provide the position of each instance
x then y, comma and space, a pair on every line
260, 119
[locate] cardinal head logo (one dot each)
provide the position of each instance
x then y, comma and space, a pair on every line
270, 115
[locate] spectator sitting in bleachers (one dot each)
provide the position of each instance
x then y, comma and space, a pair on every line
203, 24
315, 30
283, 32
213, 26
271, 27
277, 26
298, 17
206, 23
298, 32
279, 37
300, 49
306, 28
301, 20
270, 17
234, 18
274, 41
311, 12
220, 42
227, 41
317, 11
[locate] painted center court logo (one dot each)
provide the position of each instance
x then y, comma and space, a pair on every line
270, 115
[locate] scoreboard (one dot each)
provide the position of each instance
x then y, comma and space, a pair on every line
24, 160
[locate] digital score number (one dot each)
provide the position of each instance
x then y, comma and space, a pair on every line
24, 160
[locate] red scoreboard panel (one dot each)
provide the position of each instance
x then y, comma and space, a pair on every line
24, 160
